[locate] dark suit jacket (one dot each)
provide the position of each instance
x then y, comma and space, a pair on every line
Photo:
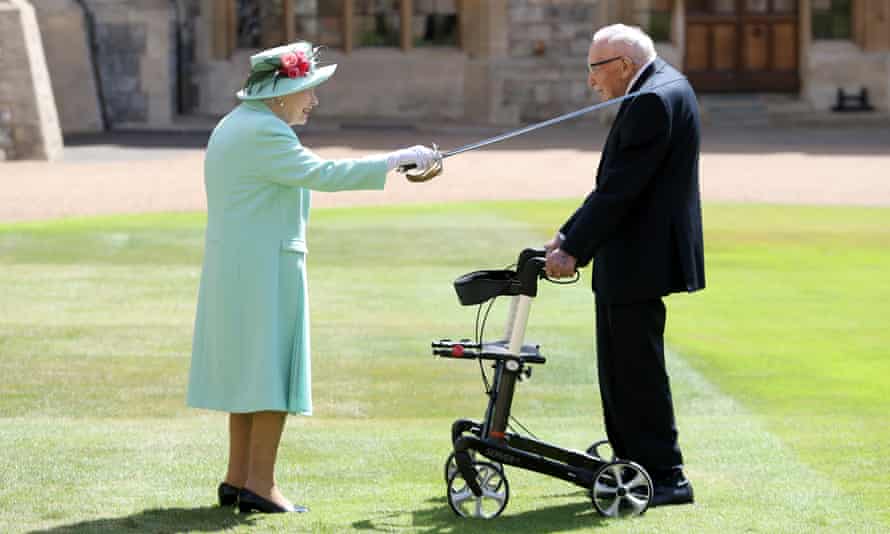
642, 224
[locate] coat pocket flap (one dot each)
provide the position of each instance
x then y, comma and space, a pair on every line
294, 244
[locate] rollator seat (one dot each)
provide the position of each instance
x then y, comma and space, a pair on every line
500, 347
489, 350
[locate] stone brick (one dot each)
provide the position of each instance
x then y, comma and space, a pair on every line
64, 30
540, 32
579, 47
33, 131
580, 93
5, 139
542, 93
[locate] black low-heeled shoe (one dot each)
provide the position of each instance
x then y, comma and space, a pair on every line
228, 494
249, 502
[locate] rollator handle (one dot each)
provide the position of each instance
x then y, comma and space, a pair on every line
528, 254
530, 268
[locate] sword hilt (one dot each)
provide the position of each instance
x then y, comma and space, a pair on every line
414, 175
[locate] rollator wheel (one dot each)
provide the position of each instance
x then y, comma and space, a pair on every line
594, 450
621, 489
495, 492
451, 465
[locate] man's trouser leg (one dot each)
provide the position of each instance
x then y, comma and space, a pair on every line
634, 384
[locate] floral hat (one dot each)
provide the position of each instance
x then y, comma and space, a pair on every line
284, 70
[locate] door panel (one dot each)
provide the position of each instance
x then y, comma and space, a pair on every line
723, 7
725, 45
697, 47
756, 47
742, 45
784, 6
784, 47
756, 6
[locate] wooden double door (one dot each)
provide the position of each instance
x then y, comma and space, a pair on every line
742, 45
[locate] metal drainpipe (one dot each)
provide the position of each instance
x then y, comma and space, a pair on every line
94, 52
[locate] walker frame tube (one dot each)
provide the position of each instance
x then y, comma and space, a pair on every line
490, 437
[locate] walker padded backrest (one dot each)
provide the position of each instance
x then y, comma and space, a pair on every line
480, 286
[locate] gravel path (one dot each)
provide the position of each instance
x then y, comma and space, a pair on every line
148, 172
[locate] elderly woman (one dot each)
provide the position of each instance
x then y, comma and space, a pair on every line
250, 355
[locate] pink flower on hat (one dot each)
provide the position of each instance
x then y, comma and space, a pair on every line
295, 64
289, 60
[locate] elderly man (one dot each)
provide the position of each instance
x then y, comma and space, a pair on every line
642, 228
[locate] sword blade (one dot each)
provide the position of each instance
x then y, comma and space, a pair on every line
549, 122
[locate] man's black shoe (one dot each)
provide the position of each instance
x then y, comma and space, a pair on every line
673, 489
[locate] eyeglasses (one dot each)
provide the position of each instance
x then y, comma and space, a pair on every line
592, 67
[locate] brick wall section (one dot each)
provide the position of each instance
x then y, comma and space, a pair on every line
65, 41
841, 64
136, 60
29, 124
121, 48
7, 149
548, 43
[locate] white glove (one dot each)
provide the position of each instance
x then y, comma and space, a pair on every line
418, 155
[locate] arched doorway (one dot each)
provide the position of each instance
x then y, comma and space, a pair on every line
742, 45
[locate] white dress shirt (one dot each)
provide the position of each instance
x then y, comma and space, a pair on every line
638, 74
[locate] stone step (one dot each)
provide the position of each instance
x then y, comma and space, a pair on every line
748, 109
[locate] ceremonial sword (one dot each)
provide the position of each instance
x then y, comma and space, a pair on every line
415, 175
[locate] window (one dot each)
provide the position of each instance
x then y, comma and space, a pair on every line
260, 23
404, 23
344, 24
249, 33
714, 7
377, 23
319, 21
435, 23
832, 19
654, 17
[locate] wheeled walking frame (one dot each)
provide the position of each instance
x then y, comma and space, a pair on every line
479, 488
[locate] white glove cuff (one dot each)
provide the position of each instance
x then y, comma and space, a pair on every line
399, 158
392, 161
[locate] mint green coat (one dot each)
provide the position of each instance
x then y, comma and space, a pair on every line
251, 348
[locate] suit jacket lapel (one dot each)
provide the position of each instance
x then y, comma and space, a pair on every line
647, 74
656, 65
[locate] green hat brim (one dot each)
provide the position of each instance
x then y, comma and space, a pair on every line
287, 86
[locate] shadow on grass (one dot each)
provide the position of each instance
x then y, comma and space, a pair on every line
205, 519
440, 519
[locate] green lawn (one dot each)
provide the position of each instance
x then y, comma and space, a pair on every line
780, 385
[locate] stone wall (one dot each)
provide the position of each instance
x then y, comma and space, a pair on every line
136, 58
427, 83
547, 45
66, 43
7, 148
217, 80
29, 124
842, 64
372, 82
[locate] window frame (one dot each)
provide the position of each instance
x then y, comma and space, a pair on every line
851, 20
225, 25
